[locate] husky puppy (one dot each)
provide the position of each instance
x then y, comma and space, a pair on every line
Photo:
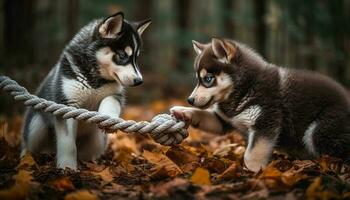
300, 112
91, 73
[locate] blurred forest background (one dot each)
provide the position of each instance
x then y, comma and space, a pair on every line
312, 34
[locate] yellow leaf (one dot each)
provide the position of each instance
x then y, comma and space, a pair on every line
81, 195
23, 176
163, 163
201, 176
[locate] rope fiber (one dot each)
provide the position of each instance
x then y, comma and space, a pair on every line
163, 128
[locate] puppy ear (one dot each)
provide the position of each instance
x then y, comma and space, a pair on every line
198, 47
142, 25
224, 50
111, 26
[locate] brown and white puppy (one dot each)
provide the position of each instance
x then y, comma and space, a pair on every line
300, 112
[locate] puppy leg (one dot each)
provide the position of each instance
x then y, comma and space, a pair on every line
259, 150
94, 144
66, 147
205, 120
35, 134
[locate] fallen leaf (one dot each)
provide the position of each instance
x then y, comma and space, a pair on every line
162, 162
81, 195
105, 175
184, 158
201, 176
62, 184
292, 176
224, 150
230, 173
162, 189
26, 162
21, 188
271, 172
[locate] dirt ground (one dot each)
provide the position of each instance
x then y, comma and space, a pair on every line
204, 166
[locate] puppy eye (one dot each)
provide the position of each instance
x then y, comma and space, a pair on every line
120, 58
122, 55
208, 79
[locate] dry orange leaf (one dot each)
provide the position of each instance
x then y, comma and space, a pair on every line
27, 161
162, 162
81, 195
63, 184
21, 188
105, 175
201, 176
230, 172
271, 172
292, 176
316, 191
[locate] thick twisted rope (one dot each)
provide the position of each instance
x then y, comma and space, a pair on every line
163, 128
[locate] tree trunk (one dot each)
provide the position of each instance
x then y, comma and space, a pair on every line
260, 27
183, 13
227, 18
18, 30
338, 20
72, 18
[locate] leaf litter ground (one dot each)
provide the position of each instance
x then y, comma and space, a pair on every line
204, 166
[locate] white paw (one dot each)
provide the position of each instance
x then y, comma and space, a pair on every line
182, 113
255, 164
67, 163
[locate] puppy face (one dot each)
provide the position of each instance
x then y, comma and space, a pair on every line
213, 67
120, 48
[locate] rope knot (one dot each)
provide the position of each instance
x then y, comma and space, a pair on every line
163, 128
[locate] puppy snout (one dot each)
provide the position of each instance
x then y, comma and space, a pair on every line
190, 100
138, 81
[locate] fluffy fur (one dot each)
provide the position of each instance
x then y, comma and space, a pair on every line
303, 113
91, 73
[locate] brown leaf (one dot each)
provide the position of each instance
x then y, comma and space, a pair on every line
114, 188
184, 158
230, 173
201, 177
105, 175
162, 162
62, 184
26, 162
271, 172
162, 189
81, 195
21, 188
292, 176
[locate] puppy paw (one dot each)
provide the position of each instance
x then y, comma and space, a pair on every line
67, 163
182, 113
254, 164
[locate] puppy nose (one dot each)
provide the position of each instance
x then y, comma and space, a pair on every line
190, 100
138, 81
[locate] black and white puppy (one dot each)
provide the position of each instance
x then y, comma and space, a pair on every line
91, 73
300, 112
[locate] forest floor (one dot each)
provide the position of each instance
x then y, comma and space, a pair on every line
204, 166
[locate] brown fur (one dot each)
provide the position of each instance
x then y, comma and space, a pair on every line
303, 113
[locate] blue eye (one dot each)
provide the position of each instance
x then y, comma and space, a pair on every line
208, 79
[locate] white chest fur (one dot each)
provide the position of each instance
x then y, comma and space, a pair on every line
244, 120
85, 96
